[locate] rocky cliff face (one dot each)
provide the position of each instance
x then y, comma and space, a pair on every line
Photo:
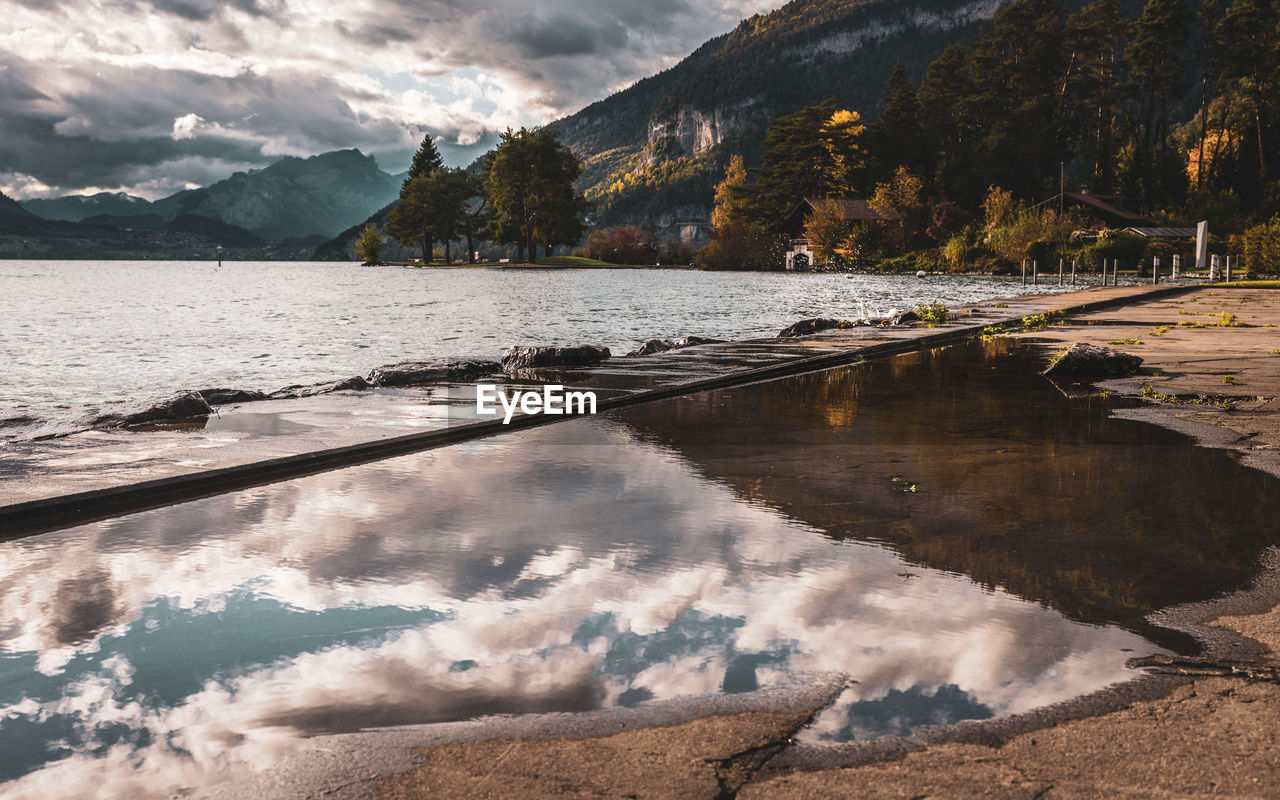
663, 143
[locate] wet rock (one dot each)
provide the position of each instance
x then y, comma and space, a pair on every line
662, 345
523, 358
440, 370
221, 397
179, 407
1083, 360
807, 326
355, 383
904, 318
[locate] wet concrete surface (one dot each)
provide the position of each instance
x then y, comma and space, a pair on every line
244, 434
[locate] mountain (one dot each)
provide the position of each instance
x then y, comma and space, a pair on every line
655, 151
295, 197
75, 208
11, 208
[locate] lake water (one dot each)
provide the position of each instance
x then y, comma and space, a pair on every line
77, 334
747, 538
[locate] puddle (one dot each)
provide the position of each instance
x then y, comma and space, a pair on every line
743, 539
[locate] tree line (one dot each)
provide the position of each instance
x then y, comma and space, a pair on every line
522, 194
1040, 100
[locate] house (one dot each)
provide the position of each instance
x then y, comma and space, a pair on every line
854, 209
1107, 210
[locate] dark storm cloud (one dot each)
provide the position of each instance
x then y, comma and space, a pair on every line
165, 92
565, 35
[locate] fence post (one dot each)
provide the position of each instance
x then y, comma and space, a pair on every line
1024, 272
1035, 272
1059, 272
1073, 272
1155, 270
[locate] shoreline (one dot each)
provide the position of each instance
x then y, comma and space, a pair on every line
1166, 733
1215, 725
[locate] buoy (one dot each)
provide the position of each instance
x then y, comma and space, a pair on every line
920, 274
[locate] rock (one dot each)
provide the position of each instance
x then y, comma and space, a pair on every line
521, 358
807, 326
355, 383
662, 345
221, 397
440, 370
904, 318
1090, 361
179, 407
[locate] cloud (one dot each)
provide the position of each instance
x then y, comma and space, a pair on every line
508, 576
251, 80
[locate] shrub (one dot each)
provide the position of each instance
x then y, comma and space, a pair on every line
1262, 246
625, 245
741, 245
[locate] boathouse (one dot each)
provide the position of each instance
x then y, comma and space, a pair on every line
854, 209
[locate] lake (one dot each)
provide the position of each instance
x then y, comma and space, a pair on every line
78, 334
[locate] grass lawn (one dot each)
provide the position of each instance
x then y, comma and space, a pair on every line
574, 261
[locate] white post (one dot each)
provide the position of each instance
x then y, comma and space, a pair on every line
1202, 245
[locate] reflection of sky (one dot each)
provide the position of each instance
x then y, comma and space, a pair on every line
173, 647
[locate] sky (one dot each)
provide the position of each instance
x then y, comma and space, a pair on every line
154, 96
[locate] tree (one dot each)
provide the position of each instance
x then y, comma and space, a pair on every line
815, 152
369, 245
431, 207
729, 199
1248, 42
1159, 36
475, 217
950, 128
826, 228
1018, 71
1093, 37
409, 222
896, 137
426, 161
900, 197
528, 181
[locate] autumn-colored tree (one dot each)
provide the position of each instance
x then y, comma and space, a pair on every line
826, 228
730, 201
369, 245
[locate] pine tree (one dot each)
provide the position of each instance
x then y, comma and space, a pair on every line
951, 130
425, 161
1094, 37
896, 138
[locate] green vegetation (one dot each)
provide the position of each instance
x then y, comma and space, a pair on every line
1149, 392
1126, 341
1230, 380
529, 184
1160, 330
369, 245
1225, 320
932, 314
574, 261
901, 484
1038, 322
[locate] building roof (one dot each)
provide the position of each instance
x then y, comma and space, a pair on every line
1164, 233
854, 209
1108, 207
